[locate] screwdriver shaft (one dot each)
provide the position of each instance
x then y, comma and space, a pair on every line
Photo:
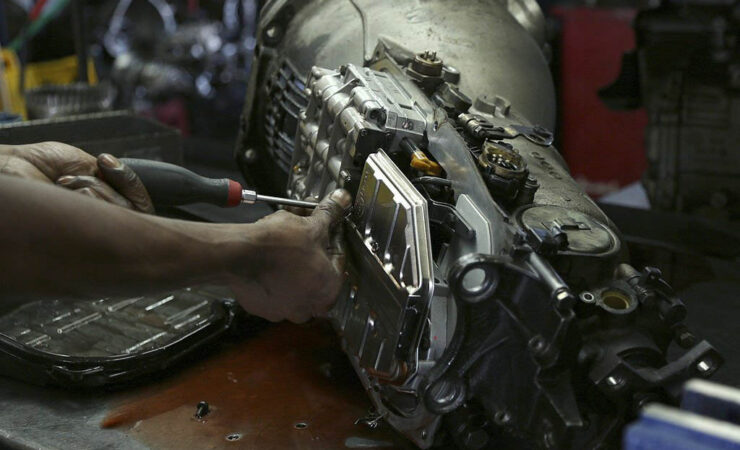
249, 196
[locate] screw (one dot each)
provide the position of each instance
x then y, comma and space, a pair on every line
202, 409
233, 437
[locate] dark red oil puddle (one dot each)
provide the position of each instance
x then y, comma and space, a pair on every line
289, 386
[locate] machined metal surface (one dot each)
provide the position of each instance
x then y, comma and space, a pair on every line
296, 36
390, 226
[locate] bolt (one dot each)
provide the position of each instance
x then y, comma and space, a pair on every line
684, 337
202, 410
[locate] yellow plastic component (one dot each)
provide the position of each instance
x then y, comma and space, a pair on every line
57, 71
419, 161
10, 92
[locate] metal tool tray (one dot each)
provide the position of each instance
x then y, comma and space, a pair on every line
120, 133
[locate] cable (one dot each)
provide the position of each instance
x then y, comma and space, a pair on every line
36, 10
49, 13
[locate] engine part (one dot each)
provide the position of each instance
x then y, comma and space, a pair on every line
489, 302
337, 32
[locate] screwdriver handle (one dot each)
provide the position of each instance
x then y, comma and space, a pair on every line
171, 185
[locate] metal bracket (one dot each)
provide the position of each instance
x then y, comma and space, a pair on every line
447, 217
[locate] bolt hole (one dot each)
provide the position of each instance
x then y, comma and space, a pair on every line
705, 366
615, 300
587, 297
474, 281
300, 426
233, 437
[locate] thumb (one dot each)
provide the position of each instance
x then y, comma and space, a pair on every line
125, 181
331, 209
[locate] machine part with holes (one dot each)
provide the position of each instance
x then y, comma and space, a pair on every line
474, 314
294, 36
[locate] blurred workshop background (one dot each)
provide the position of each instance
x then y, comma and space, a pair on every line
186, 63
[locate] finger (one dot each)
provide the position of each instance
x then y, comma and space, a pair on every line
55, 159
103, 191
336, 250
298, 211
19, 167
89, 193
124, 180
331, 209
299, 315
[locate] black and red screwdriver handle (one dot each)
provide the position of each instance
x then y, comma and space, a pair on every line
171, 185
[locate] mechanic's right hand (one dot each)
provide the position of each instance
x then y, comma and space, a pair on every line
104, 177
295, 267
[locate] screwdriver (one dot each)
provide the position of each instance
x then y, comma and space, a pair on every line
172, 185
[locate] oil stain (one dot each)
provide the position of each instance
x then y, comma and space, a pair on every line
289, 386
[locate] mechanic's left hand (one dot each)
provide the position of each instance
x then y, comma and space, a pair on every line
104, 177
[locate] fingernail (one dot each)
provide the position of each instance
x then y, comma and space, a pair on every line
109, 161
65, 180
341, 197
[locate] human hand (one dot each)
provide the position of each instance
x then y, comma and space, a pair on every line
295, 264
104, 177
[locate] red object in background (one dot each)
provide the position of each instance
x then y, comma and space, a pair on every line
173, 113
36, 10
605, 149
